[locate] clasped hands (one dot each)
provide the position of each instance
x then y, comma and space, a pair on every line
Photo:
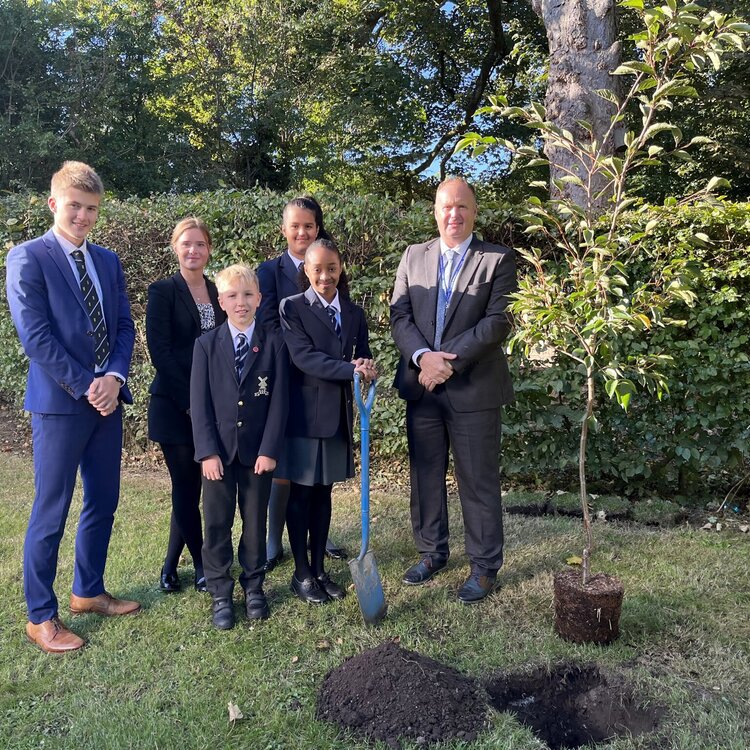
104, 393
435, 368
366, 368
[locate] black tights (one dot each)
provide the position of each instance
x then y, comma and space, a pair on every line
308, 512
185, 523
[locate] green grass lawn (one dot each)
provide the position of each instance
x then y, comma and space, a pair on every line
163, 679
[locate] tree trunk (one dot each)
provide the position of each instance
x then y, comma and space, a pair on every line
583, 49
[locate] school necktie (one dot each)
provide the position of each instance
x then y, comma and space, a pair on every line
442, 302
94, 309
240, 354
331, 310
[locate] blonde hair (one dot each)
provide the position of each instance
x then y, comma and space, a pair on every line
190, 222
76, 174
237, 272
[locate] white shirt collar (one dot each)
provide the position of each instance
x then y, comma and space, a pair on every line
335, 303
67, 245
249, 331
297, 262
460, 249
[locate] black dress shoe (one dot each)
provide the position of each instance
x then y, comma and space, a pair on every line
422, 571
272, 562
334, 551
200, 584
169, 582
333, 590
223, 613
309, 591
256, 605
476, 587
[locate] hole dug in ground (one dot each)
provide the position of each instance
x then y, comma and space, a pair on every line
573, 705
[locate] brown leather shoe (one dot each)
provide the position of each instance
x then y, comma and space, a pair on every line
104, 604
53, 637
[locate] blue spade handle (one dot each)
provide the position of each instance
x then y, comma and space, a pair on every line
365, 409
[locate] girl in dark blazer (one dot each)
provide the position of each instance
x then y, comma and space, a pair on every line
180, 308
327, 338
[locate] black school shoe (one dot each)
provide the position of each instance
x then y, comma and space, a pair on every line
256, 605
272, 562
333, 590
223, 613
169, 582
308, 590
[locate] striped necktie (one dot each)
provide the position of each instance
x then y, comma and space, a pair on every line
94, 309
240, 354
331, 310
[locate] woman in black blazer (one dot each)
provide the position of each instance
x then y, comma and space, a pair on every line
327, 338
180, 308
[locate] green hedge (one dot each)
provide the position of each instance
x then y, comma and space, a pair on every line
697, 438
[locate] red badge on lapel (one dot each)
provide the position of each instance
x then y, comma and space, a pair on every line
255, 349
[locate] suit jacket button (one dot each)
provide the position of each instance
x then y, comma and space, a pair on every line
240, 403
89, 333
239, 424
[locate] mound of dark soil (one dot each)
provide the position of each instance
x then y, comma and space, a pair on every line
388, 693
573, 705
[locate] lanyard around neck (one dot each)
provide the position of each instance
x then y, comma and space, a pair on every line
455, 270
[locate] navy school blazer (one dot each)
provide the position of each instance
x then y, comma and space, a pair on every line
321, 370
239, 419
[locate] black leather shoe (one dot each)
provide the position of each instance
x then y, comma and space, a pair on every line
272, 562
256, 605
334, 551
422, 571
476, 587
223, 617
333, 590
309, 591
169, 582
200, 584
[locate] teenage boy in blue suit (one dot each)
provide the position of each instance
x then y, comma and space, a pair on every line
69, 304
238, 405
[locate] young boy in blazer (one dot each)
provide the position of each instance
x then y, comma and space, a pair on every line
238, 405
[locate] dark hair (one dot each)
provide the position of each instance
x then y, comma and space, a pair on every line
343, 286
308, 203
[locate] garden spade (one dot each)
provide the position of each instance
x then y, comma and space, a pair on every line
363, 568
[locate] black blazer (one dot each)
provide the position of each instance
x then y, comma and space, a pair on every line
172, 326
239, 419
277, 279
321, 371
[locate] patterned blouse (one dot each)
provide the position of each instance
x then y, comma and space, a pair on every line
206, 312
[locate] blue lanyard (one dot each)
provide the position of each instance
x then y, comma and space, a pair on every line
452, 279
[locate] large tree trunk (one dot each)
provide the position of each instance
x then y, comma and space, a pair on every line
583, 49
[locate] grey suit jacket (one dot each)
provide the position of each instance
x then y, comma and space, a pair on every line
476, 322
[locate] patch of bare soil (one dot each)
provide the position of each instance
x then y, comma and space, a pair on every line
573, 705
388, 693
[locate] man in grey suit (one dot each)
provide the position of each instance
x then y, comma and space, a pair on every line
449, 319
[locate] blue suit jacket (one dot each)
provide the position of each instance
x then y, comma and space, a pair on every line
55, 330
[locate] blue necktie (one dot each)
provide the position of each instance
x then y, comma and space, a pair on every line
94, 309
240, 354
331, 310
442, 301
